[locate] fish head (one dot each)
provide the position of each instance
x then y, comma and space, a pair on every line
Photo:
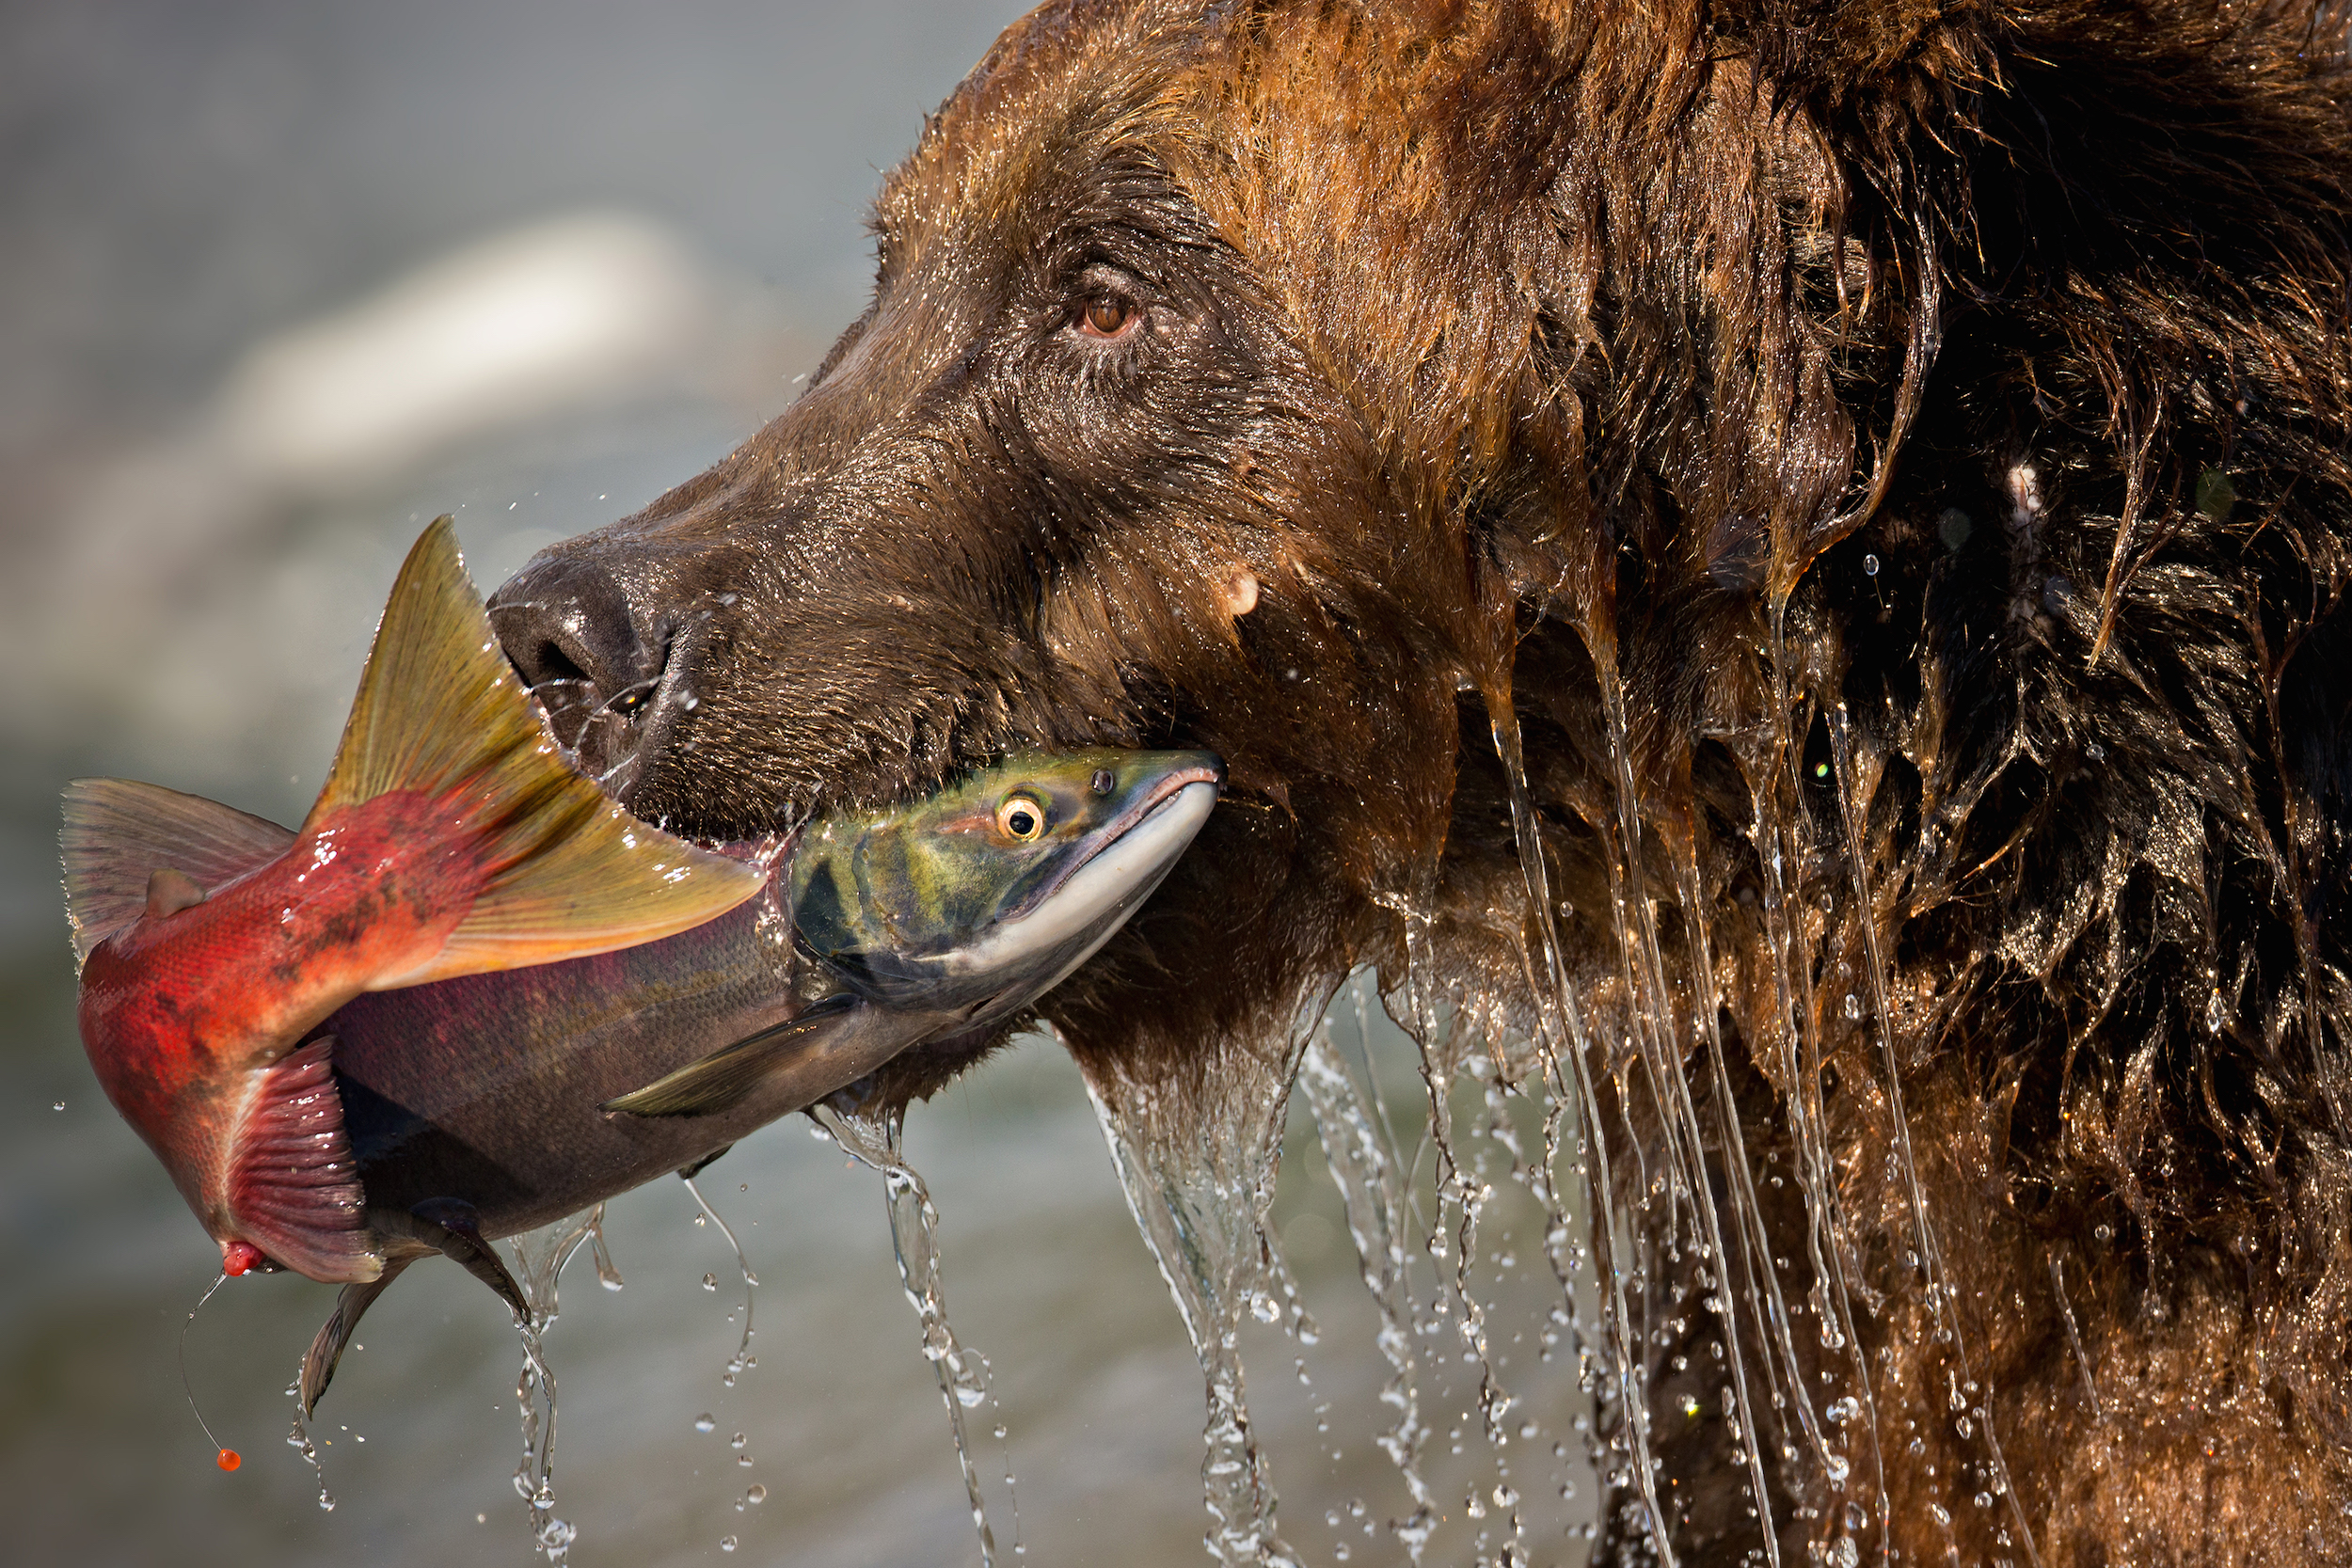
979, 898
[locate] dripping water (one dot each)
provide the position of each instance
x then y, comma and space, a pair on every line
1940, 1296
539, 1258
1655, 1015
742, 1360
1769, 759
875, 1140
1566, 1039
1200, 1205
1362, 1166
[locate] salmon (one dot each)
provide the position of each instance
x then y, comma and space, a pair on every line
482, 1106
452, 837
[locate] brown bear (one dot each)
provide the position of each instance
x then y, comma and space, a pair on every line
1785, 552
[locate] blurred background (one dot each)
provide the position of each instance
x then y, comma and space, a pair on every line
278, 283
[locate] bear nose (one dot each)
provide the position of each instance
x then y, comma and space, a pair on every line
569, 629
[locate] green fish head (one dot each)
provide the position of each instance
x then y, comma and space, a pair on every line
983, 896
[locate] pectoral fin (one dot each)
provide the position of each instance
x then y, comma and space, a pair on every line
326, 1351
836, 1042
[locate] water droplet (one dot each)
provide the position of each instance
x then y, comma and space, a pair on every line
1869, 565
757, 1496
1984, 1499
2216, 1012
704, 1422
737, 1442
727, 1544
58, 1106
1853, 1006
1845, 1553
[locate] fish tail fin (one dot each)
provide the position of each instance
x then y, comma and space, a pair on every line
117, 834
440, 711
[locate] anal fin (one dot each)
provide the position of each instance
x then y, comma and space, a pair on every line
326, 1351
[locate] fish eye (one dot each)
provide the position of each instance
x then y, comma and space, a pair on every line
1021, 820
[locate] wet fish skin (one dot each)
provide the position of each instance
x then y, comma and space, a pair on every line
452, 838
488, 1088
945, 903
525, 1096
535, 1092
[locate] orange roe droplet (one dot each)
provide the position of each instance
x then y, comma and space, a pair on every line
237, 1257
230, 1459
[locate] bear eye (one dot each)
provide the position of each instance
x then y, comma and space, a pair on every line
1109, 317
1021, 820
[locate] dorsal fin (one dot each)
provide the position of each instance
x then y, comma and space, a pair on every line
117, 834
440, 711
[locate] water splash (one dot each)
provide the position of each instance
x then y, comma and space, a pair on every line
874, 1138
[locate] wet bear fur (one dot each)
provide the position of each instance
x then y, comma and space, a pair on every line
1885, 465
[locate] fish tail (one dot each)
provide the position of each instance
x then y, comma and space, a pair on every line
440, 711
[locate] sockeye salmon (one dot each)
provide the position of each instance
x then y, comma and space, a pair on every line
483, 1107
452, 838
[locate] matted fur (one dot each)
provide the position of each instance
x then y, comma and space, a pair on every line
1910, 437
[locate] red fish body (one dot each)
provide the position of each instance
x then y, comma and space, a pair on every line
188, 1014
452, 839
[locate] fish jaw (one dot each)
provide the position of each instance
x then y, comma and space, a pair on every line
192, 1023
936, 908
1067, 924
